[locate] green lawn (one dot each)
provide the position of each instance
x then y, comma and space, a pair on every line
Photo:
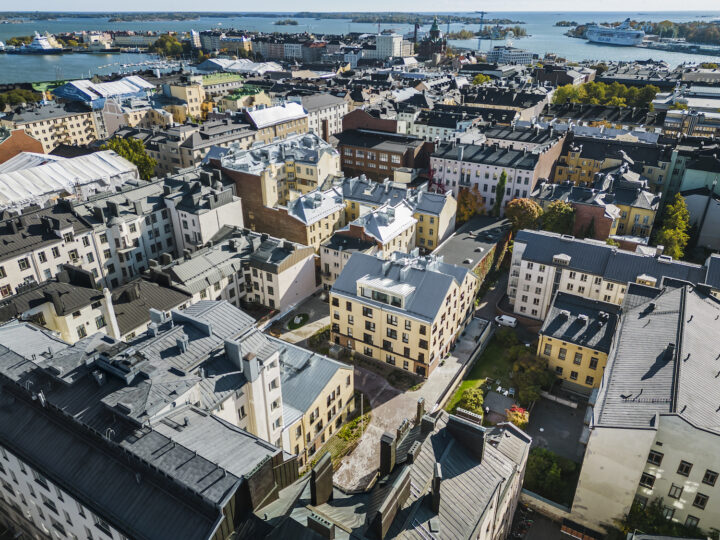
493, 363
303, 318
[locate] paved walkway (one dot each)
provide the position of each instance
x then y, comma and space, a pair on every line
391, 406
319, 313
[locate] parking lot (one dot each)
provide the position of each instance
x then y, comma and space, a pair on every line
557, 428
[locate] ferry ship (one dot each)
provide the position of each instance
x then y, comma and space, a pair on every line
622, 35
41, 44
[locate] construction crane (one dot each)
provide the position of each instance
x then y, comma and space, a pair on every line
482, 20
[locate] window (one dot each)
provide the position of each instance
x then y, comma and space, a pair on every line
562, 353
23, 264
593, 363
548, 349
668, 512
684, 468
367, 312
558, 370
691, 521
700, 500
81, 332
100, 321
392, 320
102, 525
710, 477
589, 380
574, 375
655, 457
578, 359
647, 480
48, 503
675, 491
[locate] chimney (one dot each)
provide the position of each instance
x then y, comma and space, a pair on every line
420, 410
321, 526
112, 319
427, 424
182, 343
233, 350
659, 250
435, 488
321, 481
388, 446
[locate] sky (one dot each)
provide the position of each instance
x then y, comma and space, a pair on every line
367, 5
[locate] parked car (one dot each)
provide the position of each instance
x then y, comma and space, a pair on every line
506, 320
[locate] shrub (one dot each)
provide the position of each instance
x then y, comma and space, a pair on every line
472, 400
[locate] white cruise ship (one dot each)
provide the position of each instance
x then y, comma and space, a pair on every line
622, 35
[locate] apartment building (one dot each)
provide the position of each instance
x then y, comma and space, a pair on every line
325, 114
378, 155
131, 464
405, 311
318, 396
243, 268
459, 166
655, 417
544, 263
527, 103
190, 93
246, 97
279, 121
684, 123
217, 85
523, 138
335, 253
278, 172
583, 157
438, 126
575, 339
53, 124
605, 116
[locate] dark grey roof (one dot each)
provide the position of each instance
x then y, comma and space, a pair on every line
132, 302
361, 189
599, 258
489, 155
646, 375
37, 112
473, 241
384, 142
533, 135
563, 321
713, 271
66, 298
339, 241
317, 102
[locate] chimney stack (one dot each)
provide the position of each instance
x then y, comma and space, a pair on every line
321, 481
388, 446
435, 488
420, 411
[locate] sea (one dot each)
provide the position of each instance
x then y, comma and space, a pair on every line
543, 36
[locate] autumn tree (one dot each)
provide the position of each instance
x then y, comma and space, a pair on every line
499, 194
523, 213
472, 400
134, 151
559, 217
481, 78
469, 203
674, 234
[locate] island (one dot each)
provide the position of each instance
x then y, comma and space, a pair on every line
566, 23
286, 22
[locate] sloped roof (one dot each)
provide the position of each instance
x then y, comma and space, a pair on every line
270, 116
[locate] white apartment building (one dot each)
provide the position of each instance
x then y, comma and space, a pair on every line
544, 263
388, 45
325, 114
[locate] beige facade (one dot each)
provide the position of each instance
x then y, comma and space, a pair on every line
71, 128
193, 94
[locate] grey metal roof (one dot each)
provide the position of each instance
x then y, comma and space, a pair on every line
428, 279
304, 374
473, 241
645, 376
599, 258
132, 302
492, 155
66, 297
563, 321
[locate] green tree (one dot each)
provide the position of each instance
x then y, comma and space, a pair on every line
472, 400
531, 375
650, 519
134, 151
523, 213
559, 217
481, 79
167, 45
499, 194
611, 242
674, 234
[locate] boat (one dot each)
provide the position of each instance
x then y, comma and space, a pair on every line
623, 35
41, 44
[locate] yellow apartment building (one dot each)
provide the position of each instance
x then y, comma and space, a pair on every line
406, 311
192, 94
318, 397
575, 340
279, 121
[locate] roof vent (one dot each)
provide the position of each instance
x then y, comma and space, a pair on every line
667, 259
583, 318
182, 343
565, 313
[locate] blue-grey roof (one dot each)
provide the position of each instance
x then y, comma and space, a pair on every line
599, 258
304, 374
426, 279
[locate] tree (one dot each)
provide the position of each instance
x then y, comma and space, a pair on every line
499, 194
611, 242
518, 416
651, 520
469, 202
531, 375
134, 151
674, 234
559, 217
677, 106
523, 213
472, 400
481, 79
167, 45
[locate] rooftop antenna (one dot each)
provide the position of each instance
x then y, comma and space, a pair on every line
482, 20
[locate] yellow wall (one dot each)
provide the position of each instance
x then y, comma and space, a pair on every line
628, 225
568, 365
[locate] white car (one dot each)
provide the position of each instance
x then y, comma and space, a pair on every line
506, 320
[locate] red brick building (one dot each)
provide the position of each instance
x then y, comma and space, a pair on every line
16, 141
